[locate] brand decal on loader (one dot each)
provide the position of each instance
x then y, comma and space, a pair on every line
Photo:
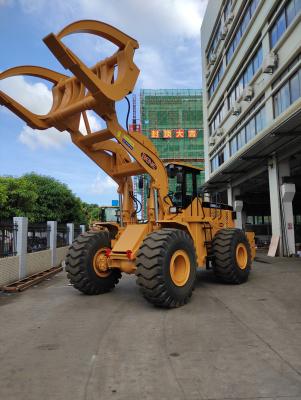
148, 160
127, 141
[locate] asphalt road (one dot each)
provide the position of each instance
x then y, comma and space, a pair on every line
229, 342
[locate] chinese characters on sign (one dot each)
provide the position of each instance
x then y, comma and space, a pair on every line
155, 134
178, 133
167, 133
192, 133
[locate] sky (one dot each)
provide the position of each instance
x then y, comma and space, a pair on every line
168, 32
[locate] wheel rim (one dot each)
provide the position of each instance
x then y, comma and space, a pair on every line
100, 265
241, 256
180, 268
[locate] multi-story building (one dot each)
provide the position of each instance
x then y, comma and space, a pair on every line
173, 120
251, 62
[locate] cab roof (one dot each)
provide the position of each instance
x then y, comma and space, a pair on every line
185, 165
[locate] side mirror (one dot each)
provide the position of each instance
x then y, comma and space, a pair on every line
140, 182
179, 177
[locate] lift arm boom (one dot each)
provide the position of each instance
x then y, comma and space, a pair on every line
119, 153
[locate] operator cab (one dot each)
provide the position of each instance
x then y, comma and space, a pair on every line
182, 183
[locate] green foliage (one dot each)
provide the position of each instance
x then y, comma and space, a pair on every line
17, 197
41, 198
91, 211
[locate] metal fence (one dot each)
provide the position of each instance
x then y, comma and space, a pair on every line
77, 231
62, 237
38, 237
8, 239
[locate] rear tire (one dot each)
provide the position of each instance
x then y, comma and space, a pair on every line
166, 268
231, 256
79, 264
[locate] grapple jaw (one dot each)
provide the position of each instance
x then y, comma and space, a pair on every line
89, 88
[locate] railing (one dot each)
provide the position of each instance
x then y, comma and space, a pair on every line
38, 237
77, 231
62, 237
8, 239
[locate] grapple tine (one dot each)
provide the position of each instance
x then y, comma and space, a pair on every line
127, 70
33, 120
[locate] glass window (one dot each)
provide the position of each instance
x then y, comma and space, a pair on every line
281, 24
257, 60
277, 107
294, 87
241, 138
245, 21
189, 185
221, 158
273, 35
233, 146
253, 6
240, 87
290, 12
241, 29
259, 121
298, 6
284, 97
248, 75
252, 129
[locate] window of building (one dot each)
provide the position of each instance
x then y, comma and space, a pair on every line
217, 160
246, 76
287, 94
227, 10
217, 78
217, 119
233, 145
287, 70
215, 41
248, 132
294, 87
248, 14
284, 19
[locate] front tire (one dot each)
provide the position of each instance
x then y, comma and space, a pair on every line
231, 256
166, 268
80, 263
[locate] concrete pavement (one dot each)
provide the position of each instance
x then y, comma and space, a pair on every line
229, 342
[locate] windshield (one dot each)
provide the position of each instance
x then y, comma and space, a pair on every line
109, 214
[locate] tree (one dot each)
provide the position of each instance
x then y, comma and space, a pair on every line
40, 198
91, 211
17, 197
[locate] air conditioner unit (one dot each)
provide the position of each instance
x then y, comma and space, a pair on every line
219, 132
270, 63
248, 93
224, 32
211, 141
236, 109
212, 59
230, 18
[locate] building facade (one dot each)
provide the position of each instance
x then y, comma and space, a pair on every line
173, 120
251, 63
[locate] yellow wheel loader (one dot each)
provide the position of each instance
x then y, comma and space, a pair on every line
182, 233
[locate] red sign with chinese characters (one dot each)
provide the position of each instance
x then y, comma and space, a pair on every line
155, 134
192, 133
179, 133
167, 133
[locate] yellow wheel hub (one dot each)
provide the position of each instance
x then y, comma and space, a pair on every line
241, 256
180, 268
100, 264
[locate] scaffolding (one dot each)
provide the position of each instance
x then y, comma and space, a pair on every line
173, 120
